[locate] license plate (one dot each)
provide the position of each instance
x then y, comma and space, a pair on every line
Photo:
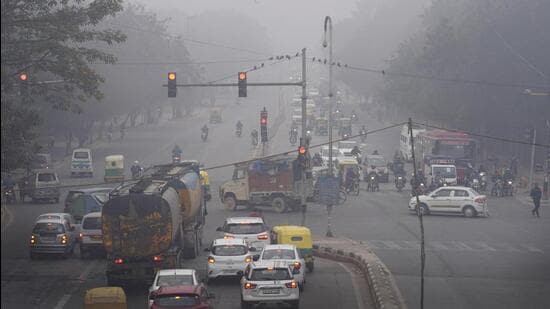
270, 291
47, 239
96, 237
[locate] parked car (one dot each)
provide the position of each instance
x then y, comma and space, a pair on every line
289, 254
52, 236
269, 282
182, 296
41, 185
173, 277
81, 162
252, 229
90, 235
452, 199
228, 257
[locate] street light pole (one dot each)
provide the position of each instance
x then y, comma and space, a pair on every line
328, 21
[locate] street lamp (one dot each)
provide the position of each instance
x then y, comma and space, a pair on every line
328, 22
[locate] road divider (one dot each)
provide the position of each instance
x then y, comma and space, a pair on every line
380, 281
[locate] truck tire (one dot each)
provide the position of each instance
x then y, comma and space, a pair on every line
230, 202
279, 204
191, 247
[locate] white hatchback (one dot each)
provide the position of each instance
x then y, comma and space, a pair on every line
252, 229
269, 282
288, 254
228, 257
452, 199
172, 277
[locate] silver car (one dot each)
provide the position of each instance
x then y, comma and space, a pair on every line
52, 236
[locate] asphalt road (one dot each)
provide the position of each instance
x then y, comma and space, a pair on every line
58, 283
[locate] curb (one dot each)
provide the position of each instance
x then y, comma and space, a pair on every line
382, 286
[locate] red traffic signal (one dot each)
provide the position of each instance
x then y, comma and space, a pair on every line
172, 85
172, 76
23, 76
242, 75
302, 150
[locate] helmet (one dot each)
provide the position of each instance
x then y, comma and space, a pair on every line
136, 162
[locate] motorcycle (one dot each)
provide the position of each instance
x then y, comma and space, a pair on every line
482, 181
400, 182
353, 187
372, 182
239, 132
204, 136
176, 158
354, 117
9, 195
508, 188
419, 190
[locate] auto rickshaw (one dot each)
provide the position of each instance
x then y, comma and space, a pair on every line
114, 168
321, 126
105, 298
216, 115
299, 236
344, 165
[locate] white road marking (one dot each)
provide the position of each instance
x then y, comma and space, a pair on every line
473, 246
392, 245
358, 293
62, 301
531, 248
84, 275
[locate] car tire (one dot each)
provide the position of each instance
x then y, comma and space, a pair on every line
230, 203
423, 208
279, 204
469, 212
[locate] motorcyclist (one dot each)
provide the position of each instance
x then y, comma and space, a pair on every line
317, 160
177, 151
355, 151
135, 169
351, 177
239, 126
9, 184
204, 129
254, 136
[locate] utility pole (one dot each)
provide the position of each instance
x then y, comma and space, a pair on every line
531, 166
328, 22
305, 143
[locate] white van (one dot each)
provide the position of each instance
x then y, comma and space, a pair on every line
404, 142
81, 163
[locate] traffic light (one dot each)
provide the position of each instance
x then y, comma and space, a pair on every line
263, 125
302, 156
23, 83
242, 84
172, 89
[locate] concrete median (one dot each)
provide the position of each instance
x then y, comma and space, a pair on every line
380, 281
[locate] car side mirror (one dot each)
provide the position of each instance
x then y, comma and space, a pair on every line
240, 273
255, 257
219, 229
211, 296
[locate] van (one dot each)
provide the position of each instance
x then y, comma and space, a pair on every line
81, 163
91, 236
41, 185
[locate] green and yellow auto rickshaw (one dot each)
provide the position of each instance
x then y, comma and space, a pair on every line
300, 236
114, 168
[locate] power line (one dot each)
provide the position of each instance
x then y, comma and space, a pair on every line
502, 139
179, 63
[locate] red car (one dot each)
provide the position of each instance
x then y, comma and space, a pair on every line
182, 296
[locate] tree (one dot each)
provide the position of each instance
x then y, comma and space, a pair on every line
48, 40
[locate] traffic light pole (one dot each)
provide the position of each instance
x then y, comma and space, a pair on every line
303, 203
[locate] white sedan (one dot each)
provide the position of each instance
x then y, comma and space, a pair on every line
452, 199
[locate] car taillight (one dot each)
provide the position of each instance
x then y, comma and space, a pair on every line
263, 237
157, 258
291, 285
249, 286
118, 261
480, 200
297, 265
248, 259
211, 260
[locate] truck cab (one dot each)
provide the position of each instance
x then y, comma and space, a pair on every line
235, 191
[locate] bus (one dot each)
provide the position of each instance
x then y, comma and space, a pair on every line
459, 147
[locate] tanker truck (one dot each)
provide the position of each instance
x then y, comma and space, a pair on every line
153, 223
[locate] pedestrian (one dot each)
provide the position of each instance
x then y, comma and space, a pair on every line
536, 194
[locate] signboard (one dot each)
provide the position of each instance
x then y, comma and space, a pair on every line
329, 190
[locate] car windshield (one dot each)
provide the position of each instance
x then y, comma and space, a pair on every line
72, 195
81, 155
245, 228
445, 171
376, 161
48, 228
173, 280
276, 254
101, 196
91, 223
269, 274
48, 217
177, 301
46, 177
229, 250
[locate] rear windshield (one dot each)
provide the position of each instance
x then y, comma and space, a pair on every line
46, 177
92, 223
177, 301
173, 280
278, 254
269, 274
48, 228
229, 250
245, 228
81, 155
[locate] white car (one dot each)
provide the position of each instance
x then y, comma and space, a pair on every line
269, 282
91, 235
453, 199
251, 229
172, 277
228, 257
288, 254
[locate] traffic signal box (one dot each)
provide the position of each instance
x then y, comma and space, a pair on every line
263, 125
172, 88
242, 84
23, 81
